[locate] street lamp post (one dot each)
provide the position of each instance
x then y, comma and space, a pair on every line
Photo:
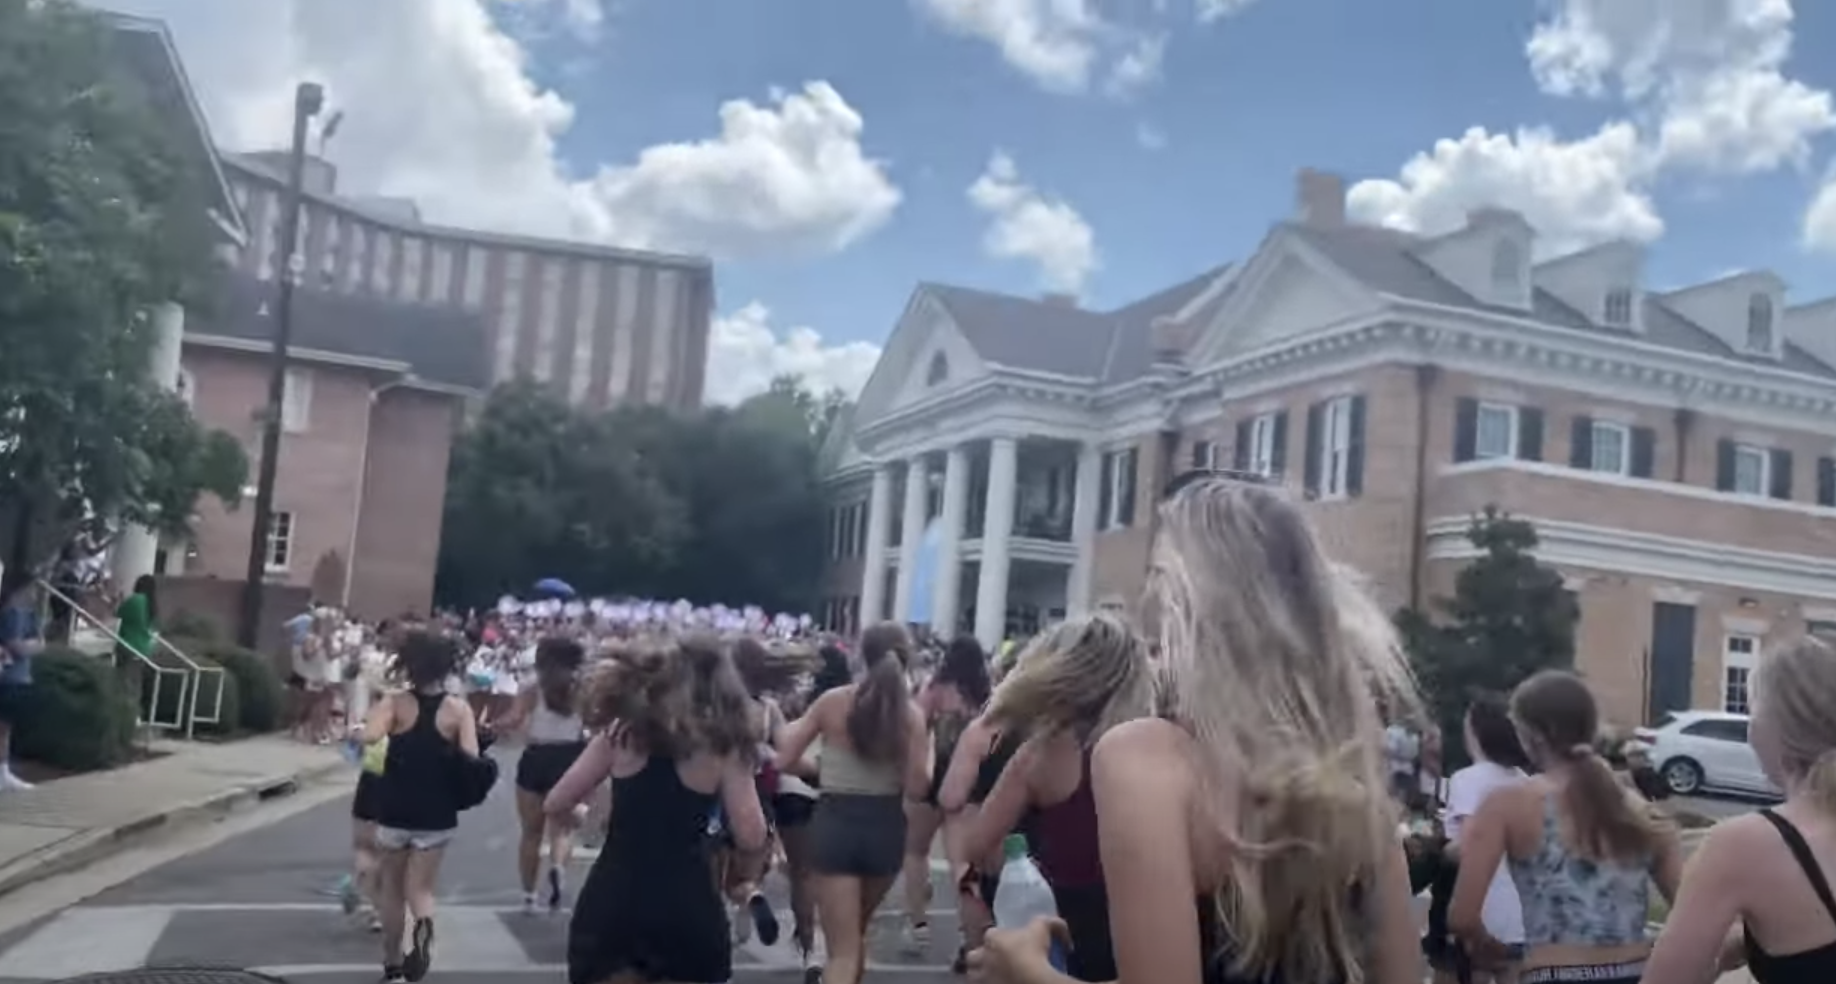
308, 99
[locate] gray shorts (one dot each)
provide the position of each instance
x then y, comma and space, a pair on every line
397, 839
862, 836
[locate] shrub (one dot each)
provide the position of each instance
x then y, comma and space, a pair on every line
260, 694
186, 624
75, 716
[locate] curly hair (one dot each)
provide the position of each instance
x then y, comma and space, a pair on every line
673, 697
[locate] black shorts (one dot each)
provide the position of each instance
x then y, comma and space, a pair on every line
543, 763
858, 835
363, 805
791, 810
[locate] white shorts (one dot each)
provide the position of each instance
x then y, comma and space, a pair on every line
397, 839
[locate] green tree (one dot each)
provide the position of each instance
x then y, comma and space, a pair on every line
537, 489
1509, 617
102, 218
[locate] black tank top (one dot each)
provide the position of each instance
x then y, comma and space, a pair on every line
419, 782
1816, 966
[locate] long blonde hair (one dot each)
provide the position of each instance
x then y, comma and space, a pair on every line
1274, 660
1791, 692
1087, 674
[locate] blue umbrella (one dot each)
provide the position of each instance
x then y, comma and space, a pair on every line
555, 587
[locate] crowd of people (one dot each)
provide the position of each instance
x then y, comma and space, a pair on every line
1216, 800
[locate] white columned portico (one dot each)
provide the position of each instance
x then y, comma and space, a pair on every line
947, 601
1083, 529
997, 532
137, 548
911, 531
873, 565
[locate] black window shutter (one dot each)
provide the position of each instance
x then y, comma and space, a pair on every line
1310, 465
1826, 481
1105, 487
1126, 515
1465, 428
1240, 459
1644, 452
1581, 443
1724, 465
1781, 473
1354, 453
1278, 452
1529, 434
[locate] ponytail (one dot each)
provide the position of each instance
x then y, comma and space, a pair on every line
876, 722
1608, 823
557, 662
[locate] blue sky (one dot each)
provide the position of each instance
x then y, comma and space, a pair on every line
1144, 141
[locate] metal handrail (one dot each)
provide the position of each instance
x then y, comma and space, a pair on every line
159, 671
198, 672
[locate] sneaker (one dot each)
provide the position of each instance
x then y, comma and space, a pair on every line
529, 903
763, 919
10, 781
375, 922
348, 899
917, 938
555, 893
420, 955
393, 975
812, 967
741, 926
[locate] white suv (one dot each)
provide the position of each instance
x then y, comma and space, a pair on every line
1699, 751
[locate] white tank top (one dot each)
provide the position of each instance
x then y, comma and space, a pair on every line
547, 726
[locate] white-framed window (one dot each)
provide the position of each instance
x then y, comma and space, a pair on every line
280, 543
1759, 323
1612, 448
1262, 445
1495, 431
1738, 655
1335, 446
1617, 311
1204, 454
186, 386
1752, 470
1119, 500
296, 401
1507, 265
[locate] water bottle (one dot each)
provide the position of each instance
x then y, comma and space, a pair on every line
1023, 894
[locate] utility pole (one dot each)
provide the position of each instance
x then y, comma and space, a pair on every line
308, 99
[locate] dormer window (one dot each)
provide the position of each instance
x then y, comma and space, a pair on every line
938, 371
1617, 312
1507, 265
1759, 323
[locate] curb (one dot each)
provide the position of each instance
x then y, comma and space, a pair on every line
85, 847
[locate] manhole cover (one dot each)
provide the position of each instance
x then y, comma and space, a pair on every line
176, 975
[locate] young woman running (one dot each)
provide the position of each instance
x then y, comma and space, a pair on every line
678, 744
951, 700
548, 714
417, 799
741, 871
873, 760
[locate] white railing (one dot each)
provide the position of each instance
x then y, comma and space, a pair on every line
189, 673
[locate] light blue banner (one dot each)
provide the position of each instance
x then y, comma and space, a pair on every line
924, 572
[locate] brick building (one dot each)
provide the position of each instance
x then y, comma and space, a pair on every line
1675, 450
375, 393
602, 325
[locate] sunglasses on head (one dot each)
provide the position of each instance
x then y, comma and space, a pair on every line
1195, 476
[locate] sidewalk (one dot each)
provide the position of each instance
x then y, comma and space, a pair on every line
71, 822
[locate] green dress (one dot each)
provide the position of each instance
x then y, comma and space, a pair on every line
136, 627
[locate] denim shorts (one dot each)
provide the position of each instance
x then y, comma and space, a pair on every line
397, 839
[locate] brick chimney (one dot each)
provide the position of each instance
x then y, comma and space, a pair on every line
1319, 198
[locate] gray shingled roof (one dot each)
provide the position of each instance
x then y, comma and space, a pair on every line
443, 345
1117, 346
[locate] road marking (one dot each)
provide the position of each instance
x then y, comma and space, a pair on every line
87, 941
468, 938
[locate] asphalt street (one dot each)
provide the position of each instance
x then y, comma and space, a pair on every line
264, 900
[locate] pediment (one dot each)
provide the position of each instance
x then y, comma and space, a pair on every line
926, 354
1285, 291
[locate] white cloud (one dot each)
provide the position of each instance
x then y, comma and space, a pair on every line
1211, 10
440, 107
1820, 217
1150, 137
1060, 44
1709, 72
1027, 225
583, 19
747, 353
1574, 194
1703, 85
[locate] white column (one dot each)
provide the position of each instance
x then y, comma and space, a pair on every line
873, 573
911, 530
136, 548
997, 531
948, 601
1083, 528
